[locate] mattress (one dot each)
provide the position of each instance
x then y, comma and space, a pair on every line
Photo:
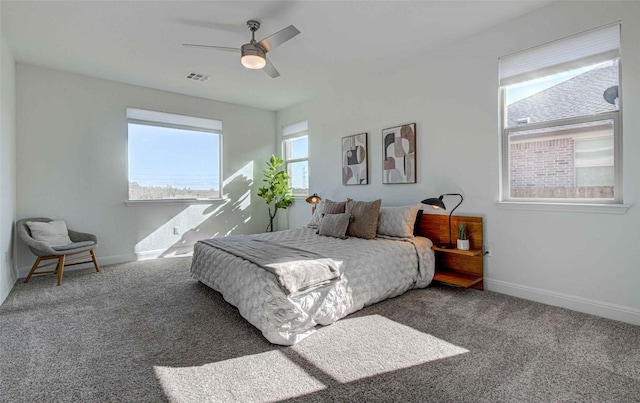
371, 271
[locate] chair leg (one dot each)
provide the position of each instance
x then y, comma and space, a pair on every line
95, 261
60, 269
33, 269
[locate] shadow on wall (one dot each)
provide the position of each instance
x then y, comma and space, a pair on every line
156, 226
232, 217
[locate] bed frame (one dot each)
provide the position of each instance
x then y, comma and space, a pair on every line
453, 266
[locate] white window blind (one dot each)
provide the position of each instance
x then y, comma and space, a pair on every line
173, 120
295, 128
173, 157
590, 47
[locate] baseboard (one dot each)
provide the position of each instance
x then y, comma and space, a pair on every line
158, 253
586, 305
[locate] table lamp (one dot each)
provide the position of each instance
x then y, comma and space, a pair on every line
438, 203
313, 199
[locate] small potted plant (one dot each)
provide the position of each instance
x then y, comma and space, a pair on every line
463, 241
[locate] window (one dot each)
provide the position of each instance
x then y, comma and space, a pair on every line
173, 157
295, 148
561, 129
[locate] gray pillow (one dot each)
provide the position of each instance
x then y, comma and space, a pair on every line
398, 221
364, 215
334, 225
331, 207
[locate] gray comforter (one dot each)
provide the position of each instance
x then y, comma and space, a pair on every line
297, 270
370, 271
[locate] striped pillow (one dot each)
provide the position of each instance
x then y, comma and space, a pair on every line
364, 218
332, 207
334, 225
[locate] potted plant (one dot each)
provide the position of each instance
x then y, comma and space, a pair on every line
276, 189
463, 241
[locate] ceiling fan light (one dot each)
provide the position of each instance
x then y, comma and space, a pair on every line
253, 57
253, 62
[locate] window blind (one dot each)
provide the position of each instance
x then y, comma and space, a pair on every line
590, 47
174, 120
297, 128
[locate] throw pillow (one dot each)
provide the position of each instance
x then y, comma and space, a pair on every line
334, 225
53, 233
364, 218
398, 221
332, 207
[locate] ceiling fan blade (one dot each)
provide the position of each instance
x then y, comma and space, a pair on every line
193, 45
280, 37
270, 69
218, 26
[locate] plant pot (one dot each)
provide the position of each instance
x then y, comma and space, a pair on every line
463, 244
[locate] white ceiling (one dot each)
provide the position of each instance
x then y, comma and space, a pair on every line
139, 42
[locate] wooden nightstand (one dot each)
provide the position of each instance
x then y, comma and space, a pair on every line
462, 268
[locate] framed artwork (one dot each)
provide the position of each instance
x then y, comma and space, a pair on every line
399, 154
355, 164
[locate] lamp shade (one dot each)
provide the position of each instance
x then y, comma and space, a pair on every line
435, 202
253, 56
313, 199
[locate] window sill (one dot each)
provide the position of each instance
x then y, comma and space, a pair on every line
172, 202
603, 208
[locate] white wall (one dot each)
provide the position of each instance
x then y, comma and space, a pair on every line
72, 164
584, 261
7, 168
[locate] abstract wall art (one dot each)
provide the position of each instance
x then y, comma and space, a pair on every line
355, 164
399, 154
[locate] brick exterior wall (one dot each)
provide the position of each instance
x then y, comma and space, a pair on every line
542, 164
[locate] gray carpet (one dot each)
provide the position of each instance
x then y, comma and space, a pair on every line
147, 332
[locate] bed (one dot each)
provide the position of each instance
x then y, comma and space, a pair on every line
369, 271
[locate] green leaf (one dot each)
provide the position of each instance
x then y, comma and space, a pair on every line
276, 192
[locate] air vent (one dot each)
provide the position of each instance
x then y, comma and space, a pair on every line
197, 77
523, 121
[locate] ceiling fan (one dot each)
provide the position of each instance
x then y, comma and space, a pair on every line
253, 54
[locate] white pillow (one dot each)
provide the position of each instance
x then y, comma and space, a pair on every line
398, 221
53, 233
317, 215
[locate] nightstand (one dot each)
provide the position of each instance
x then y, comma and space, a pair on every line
462, 268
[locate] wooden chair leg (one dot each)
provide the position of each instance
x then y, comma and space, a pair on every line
33, 269
60, 269
95, 261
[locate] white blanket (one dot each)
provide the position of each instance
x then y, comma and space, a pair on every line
372, 271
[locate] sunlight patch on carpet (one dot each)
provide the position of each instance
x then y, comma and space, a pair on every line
372, 345
268, 376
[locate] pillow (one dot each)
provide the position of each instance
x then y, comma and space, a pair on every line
317, 215
334, 225
364, 218
398, 221
53, 233
331, 207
